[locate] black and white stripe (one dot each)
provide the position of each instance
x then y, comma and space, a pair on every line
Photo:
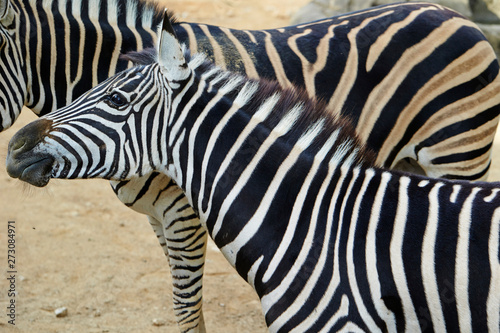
352, 247
417, 98
419, 81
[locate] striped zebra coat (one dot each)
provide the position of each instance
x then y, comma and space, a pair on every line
438, 114
352, 248
418, 80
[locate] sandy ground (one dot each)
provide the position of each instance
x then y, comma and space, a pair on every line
78, 247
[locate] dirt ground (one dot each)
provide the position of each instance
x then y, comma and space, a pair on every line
78, 247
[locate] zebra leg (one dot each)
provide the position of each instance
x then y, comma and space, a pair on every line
181, 236
187, 273
186, 243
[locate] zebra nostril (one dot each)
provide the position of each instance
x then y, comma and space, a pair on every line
17, 144
29, 136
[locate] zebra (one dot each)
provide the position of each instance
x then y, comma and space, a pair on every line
350, 61
398, 71
354, 247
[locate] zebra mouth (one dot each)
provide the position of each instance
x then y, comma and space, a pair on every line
55, 168
37, 173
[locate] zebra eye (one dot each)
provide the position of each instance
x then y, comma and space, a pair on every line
117, 99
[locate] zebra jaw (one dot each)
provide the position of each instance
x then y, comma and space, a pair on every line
23, 162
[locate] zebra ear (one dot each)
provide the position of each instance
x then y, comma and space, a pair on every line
170, 55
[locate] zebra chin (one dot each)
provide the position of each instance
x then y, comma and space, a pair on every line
36, 171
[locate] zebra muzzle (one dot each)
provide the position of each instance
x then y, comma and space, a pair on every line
25, 164
36, 172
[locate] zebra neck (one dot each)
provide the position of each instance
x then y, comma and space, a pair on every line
236, 156
73, 46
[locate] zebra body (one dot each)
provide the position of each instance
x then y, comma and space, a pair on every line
396, 70
349, 61
352, 248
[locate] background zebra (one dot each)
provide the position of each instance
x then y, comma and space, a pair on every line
374, 250
39, 77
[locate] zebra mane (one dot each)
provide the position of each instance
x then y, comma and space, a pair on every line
144, 57
152, 8
313, 111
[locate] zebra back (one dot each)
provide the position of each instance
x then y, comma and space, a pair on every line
393, 70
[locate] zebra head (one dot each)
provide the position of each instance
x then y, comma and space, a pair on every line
13, 78
114, 131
